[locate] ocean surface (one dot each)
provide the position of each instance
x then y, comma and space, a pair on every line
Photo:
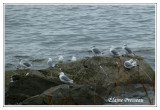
38, 32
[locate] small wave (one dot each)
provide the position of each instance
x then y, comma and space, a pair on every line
19, 56
37, 60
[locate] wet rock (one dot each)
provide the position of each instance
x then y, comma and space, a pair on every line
16, 77
26, 87
101, 74
66, 95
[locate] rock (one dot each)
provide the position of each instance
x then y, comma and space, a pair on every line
26, 87
66, 95
106, 74
16, 77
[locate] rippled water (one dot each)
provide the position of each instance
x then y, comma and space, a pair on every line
37, 32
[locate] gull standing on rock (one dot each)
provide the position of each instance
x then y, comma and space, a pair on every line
18, 67
95, 50
60, 58
113, 51
24, 64
130, 64
64, 78
50, 62
11, 79
128, 50
73, 58
27, 74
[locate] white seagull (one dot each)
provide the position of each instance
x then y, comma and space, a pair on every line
11, 79
18, 67
73, 58
130, 63
64, 78
27, 74
113, 51
24, 64
95, 50
60, 58
50, 62
128, 50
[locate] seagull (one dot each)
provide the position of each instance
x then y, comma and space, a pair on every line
11, 79
128, 50
60, 58
50, 62
130, 64
113, 51
95, 50
27, 74
134, 63
64, 78
24, 64
131, 60
18, 67
73, 58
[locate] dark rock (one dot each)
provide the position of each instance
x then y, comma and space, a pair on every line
26, 87
66, 95
101, 74
15, 98
16, 77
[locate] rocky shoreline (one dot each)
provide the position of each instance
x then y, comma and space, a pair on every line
94, 78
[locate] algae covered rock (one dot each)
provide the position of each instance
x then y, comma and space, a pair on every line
66, 95
105, 72
97, 76
25, 87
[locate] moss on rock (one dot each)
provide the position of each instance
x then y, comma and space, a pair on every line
106, 73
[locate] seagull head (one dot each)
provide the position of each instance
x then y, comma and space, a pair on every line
134, 63
131, 60
124, 45
20, 59
73, 58
61, 73
111, 47
60, 58
92, 47
50, 59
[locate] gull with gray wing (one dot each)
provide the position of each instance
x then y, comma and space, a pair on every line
73, 58
60, 59
50, 62
95, 50
127, 50
24, 64
113, 51
130, 64
64, 78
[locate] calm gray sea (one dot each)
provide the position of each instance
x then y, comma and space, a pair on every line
37, 32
